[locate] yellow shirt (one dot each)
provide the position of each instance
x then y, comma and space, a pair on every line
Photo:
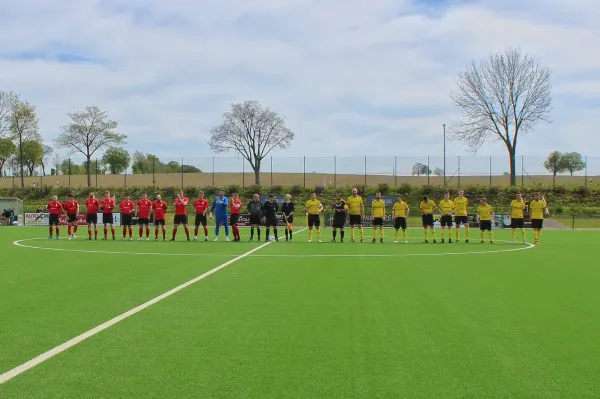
313, 206
446, 206
461, 205
485, 212
537, 209
378, 208
399, 209
517, 209
427, 207
354, 204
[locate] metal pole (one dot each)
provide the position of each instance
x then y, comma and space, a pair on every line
428, 172
459, 171
305, 171
365, 170
153, 177
444, 125
271, 170
182, 173
213, 172
69, 173
96, 172
522, 171
334, 171
395, 170
243, 173
586, 171
490, 171
125, 179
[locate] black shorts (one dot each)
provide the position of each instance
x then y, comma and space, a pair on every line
160, 222
180, 219
537, 224
290, 219
91, 218
53, 220
143, 222
271, 221
339, 221
314, 221
400, 223
446, 221
485, 225
108, 218
200, 220
427, 220
255, 220
355, 219
458, 220
126, 220
71, 218
377, 221
234, 218
517, 223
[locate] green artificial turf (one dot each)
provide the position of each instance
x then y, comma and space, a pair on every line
300, 320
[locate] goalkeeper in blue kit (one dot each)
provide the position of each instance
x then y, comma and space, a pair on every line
219, 208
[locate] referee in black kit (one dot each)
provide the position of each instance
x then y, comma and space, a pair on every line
270, 209
288, 216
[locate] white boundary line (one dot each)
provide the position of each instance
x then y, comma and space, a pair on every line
8, 375
521, 247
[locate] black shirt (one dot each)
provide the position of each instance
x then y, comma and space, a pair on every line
340, 208
287, 208
255, 208
270, 209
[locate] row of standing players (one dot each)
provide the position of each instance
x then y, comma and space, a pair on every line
352, 210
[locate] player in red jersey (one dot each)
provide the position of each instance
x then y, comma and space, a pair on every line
144, 208
55, 208
235, 204
72, 208
108, 205
201, 206
127, 207
92, 205
181, 203
159, 207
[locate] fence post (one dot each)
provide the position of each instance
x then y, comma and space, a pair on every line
304, 171
586, 171
365, 170
573, 223
182, 173
490, 171
96, 172
125, 179
243, 173
522, 171
153, 176
271, 170
69, 173
459, 171
428, 170
395, 170
334, 171
213, 172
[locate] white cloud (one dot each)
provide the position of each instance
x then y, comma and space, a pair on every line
351, 77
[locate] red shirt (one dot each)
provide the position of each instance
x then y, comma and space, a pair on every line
201, 205
144, 206
126, 207
160, 209
71, 207
55, 207
180, 208
108, 205
92, 205
235, 211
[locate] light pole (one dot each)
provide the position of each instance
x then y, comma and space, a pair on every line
444, 125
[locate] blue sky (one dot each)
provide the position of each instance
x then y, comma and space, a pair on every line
351, 77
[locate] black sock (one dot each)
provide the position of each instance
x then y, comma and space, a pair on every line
290, 233
342, 234
334, 234
258, 232
251, 232
268, 232
286, 233
275, 232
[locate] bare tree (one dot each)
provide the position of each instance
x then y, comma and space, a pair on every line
252, 131
503, 97
23, 128
7, 103
90, 131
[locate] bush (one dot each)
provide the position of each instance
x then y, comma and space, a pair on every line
405, 189
383, 188
296, 190
233, 189
277, 190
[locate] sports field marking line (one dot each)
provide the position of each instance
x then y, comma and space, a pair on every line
10, 374
519, 248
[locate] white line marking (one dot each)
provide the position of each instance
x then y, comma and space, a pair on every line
216, 255
80, 338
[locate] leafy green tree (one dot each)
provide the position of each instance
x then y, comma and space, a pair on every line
7, 151
69, 167
31, 155
117, 159
23, 128
572, 162
88, 132
420, 169
553, 164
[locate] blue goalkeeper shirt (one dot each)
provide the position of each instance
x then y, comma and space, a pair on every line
219, 207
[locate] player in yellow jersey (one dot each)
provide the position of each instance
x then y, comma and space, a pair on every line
378, 214
356, 210
516, 211
313, 211
400, 212
485, 216
538, 208
427, 207
461, 205
446, 208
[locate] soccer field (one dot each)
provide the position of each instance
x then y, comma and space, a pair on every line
300, 320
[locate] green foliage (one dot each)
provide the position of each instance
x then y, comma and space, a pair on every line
32, 155
233, 189
296, 190
572, 162
383, 188
553, 163
117, 159
7, 151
